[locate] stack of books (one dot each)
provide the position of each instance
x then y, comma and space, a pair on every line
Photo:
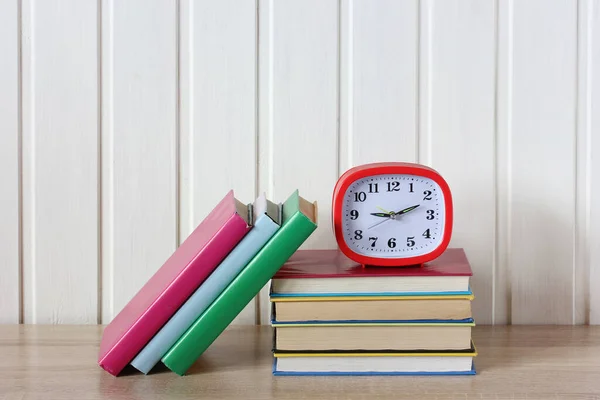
332, 316
206, 283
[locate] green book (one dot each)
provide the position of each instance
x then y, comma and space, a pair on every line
299, 221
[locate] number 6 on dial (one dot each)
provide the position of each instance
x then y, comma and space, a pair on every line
392, 214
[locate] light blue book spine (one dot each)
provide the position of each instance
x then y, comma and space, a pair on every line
263, 229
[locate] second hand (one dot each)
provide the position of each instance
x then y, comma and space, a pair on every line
385, 220
379, 223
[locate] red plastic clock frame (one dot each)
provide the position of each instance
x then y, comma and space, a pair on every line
384, 168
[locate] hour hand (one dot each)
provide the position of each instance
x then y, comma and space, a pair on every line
383, 215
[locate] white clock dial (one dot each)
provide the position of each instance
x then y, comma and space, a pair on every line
393, 216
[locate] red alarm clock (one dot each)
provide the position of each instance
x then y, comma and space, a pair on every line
392, 214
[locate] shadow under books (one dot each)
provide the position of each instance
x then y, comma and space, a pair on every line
236, 349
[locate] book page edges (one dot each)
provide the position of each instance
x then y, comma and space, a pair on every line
274, 212
434, 353
276, 324
244, 211
310, 210
262, 206
292, 299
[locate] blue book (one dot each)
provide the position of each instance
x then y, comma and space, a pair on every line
266, 217
277, 371
276, 323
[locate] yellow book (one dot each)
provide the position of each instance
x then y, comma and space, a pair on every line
375, 363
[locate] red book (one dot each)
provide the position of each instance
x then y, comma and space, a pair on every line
173, 283
330, 272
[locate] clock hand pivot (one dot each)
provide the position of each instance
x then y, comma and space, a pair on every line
386, 211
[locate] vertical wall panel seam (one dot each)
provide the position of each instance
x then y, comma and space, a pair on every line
495, 155
21, 285
591, 232
430, 27
191, 121
350, 87
108, 162
588, 159
259, 179
111, 130
177, 144
424, 138
32, 153
271, 144
256, 99
99, 165
575, 239
428, 134
339, 87
257, 298
421, 75
508, 266
589, 143
257, 182
418, 85
581, 255
502, 278
271, 122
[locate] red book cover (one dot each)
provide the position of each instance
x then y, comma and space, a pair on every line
173, 283
334, 264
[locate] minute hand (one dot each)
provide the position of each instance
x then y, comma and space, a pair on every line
406, 210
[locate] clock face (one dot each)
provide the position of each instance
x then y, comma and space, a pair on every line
393, 216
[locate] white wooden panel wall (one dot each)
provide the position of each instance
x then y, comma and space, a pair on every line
139, 145
588, 155
60, 161
218, 53
10, 265
540, 98
298, 117
123, 123
457, 126
378, 81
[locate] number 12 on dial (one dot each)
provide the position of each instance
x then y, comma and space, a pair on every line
392, 214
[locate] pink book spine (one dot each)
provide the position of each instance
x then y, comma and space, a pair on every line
163, 308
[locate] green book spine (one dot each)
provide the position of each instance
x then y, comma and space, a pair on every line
299, 221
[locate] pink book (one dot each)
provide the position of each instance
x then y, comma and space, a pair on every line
173, 283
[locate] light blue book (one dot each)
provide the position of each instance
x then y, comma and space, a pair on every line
266, 217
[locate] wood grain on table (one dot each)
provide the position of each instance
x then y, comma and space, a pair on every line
59, 362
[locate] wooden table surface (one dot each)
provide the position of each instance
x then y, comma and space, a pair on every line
59, 362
